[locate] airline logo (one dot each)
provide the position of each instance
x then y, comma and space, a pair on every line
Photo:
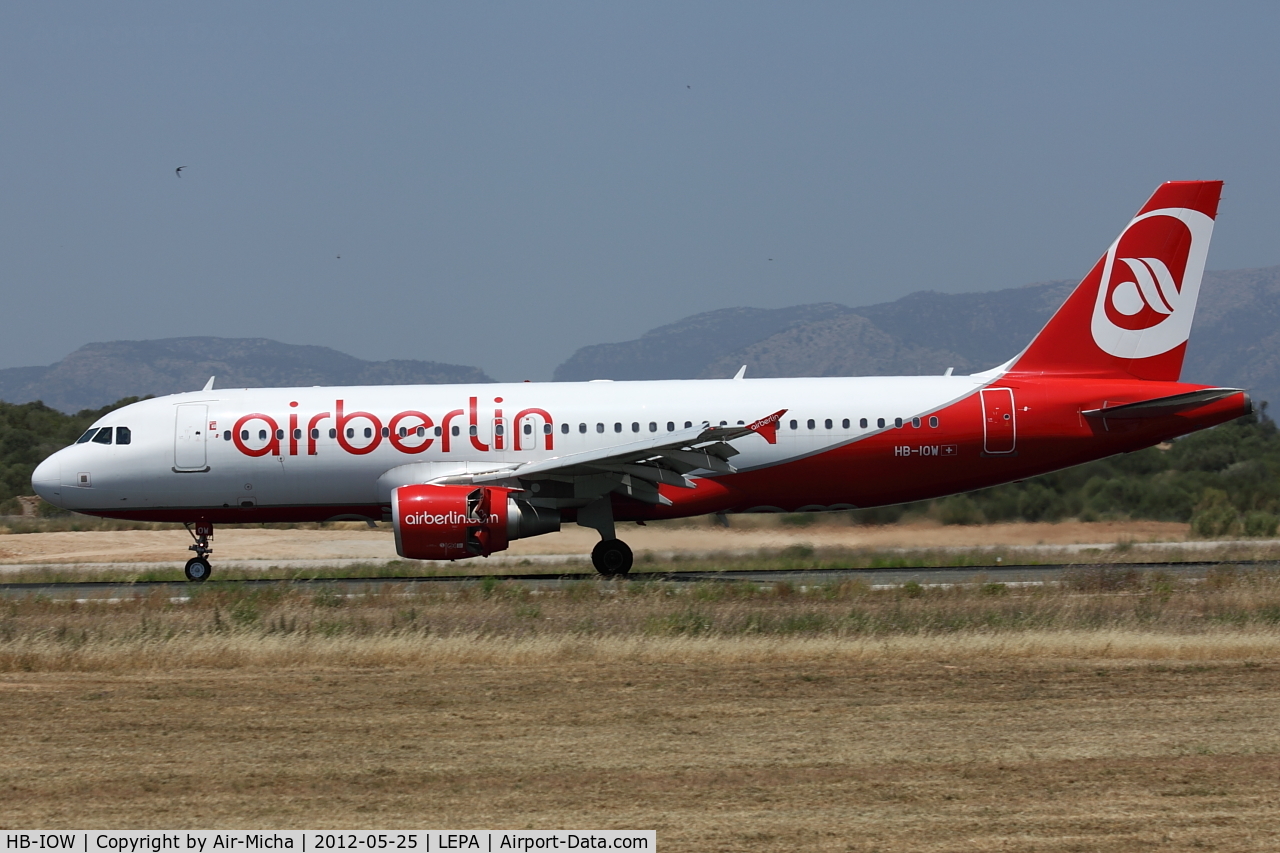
450, 518
1150, 283
767, 427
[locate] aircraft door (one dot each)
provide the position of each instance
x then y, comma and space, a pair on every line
999, 421
189, 437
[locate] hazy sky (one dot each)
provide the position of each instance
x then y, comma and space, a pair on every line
507, 182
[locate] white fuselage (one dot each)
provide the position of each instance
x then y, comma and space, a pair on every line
256, 448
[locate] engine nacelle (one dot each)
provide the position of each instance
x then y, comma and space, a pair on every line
456, 522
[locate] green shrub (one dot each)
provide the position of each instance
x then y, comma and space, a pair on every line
1214, 516
960, 509
1260, 524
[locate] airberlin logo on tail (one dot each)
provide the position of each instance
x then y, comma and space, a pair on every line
1150, 283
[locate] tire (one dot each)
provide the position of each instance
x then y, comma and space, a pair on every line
612, 558
198, 570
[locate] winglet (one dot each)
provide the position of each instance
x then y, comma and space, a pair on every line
208, 386
767, 427
742, 372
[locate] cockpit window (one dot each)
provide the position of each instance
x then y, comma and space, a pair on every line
103, 436
87, 435
123, 435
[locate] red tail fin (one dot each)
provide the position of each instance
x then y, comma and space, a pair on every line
1132, 313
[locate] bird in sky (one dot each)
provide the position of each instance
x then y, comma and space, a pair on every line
178, 171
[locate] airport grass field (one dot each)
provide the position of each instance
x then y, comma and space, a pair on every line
1116, 711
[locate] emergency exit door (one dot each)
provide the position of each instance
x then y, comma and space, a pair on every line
188, 439
999, 421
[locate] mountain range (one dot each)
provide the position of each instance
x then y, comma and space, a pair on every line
101, 373
1235, 342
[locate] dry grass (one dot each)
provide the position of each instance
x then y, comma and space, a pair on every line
1118, 712
1112, 614
835, 754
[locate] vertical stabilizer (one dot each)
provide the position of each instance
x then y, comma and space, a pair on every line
1131, 315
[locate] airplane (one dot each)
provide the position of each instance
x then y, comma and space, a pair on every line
460, 471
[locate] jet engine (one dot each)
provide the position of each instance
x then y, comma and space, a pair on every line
456, 522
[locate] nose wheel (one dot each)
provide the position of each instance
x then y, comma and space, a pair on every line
198, 567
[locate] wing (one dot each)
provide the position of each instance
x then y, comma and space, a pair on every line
635, 469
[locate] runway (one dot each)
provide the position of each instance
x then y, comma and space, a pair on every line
1018, 575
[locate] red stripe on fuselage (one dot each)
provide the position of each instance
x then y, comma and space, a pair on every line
906, 464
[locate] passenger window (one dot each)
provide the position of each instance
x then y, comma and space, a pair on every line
297, 434
582, 428
599, 427
546, 429
879, 423
671, 426
795, 424
497, 429
528, 429
827, 423
262, 435
439, 431
845, 423
897, 423
617, 427
635, 426
862, 423
87, 435
386, 431
103, 436
404, 433
244, 435
421, 431
455, 430
333, 433
226, 436
315, 433
279, 434
933, 421
123, 435
351, 432
368, 432
471, 430
915, 422
564, 429
653, 427
688, 424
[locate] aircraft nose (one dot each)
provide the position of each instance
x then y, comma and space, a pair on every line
47, 480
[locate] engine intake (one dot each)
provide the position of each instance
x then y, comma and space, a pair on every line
456, 522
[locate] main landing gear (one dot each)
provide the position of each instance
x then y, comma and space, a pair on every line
198, 567
612, 558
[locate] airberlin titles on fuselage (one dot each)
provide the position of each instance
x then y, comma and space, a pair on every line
410, 431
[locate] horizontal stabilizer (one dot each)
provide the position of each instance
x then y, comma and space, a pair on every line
1161, 406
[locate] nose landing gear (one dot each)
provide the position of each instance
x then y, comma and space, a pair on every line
198, 568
